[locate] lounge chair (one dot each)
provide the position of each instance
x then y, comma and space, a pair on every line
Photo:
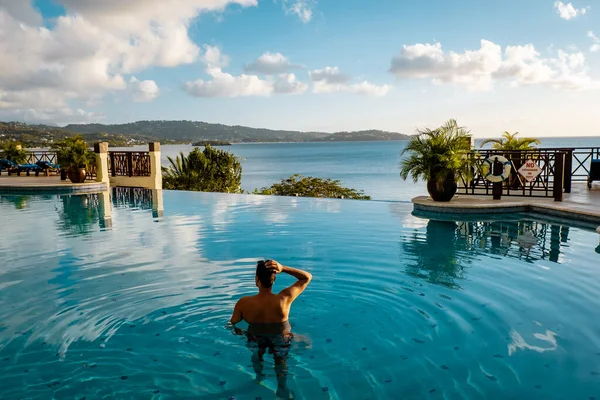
594, 172
12, 168
47, 167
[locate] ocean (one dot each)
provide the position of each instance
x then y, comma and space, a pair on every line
373, 167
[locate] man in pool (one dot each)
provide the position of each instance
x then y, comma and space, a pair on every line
266, 314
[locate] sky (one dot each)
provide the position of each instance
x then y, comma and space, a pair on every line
531, 66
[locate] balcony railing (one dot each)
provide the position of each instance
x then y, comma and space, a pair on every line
128, 163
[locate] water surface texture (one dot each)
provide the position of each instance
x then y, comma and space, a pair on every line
401, 307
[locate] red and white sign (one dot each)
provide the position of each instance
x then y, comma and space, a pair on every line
530, 170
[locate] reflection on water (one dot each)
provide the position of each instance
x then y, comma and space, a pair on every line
436, 257
117, 303
442, 253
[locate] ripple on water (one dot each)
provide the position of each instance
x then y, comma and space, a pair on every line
439, 310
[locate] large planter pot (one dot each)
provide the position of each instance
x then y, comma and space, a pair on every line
444, 191
77, 175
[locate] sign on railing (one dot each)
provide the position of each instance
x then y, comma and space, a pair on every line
128, 163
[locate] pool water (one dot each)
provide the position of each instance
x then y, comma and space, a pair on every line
114, 298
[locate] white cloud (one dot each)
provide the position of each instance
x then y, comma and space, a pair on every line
302, 8
329, 76
92, 49
567, 11
596, 46
223, 84
331, 80
143, 91
271, 63
287, 84
479, 69
213, 56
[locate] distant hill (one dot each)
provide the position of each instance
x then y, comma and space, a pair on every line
193, 131
170, 132
363, 136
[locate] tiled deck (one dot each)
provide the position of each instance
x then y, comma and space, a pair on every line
47, 184
581, 204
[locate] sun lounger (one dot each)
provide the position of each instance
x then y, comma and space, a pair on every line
12, 168
48, 167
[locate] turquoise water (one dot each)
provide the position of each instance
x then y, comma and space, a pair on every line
135, 305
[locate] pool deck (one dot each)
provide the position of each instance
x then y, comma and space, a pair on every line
581, 204
47, 184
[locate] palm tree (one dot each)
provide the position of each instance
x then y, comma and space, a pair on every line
514, 147
211, 170
438, 156
509, 141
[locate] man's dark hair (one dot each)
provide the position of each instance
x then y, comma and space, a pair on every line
265, 275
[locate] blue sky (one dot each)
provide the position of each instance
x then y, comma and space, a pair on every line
530, 66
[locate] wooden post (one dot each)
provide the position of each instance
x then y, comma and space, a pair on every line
568, 172
497, 168
559, 164
112, 164
129, 164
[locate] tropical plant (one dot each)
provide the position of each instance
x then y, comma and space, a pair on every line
509, 141
438, 156
298, 185
12, 151
210, 170
73, 152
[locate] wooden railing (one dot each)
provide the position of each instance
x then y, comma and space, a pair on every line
549, 183
35, 156
580, 159
128, 163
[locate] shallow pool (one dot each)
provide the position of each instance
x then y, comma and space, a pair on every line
114, 298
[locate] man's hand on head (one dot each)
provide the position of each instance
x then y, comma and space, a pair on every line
274, 265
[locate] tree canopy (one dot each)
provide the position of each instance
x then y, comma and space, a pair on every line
298, 185
210, 170
510, 141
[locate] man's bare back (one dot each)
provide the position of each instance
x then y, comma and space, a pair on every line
266, 306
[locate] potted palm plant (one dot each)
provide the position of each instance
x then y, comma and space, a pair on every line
74, 157
439, 157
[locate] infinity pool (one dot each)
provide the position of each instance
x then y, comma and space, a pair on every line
111, 298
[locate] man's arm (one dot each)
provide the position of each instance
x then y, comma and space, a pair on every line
237, 313
303, 277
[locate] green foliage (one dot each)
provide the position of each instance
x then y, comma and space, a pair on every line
298, 185
509, 141
73, 152
437, 154
211, 170
12, 152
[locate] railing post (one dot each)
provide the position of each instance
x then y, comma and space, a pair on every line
101, 150
113, 171
559, 164
497, 169
568, 172
129, 164
155, 167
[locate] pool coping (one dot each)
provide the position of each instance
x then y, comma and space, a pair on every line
470, 205
66, 188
